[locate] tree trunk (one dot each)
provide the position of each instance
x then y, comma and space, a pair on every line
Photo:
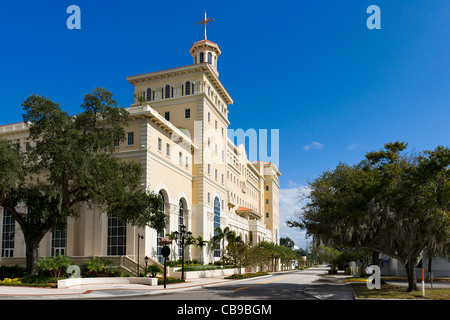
376, 258
410, 267
32, 257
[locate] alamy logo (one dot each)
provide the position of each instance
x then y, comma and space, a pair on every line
74, 20
374, 21
374, 281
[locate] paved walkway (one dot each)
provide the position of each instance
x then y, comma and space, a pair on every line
103, 290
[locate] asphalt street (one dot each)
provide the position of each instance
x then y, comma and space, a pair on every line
294, 285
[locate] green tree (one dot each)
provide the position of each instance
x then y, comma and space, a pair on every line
288, 242
390, 202
72, 164
220, 235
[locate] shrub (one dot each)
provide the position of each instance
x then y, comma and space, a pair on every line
247, 275
98, 267
55, 266
12, 272
169, 280
8, 281
153, 269
198, 268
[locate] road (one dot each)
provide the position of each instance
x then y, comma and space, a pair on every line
294, 285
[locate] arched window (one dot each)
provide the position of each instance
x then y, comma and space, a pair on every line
149, 94
160, 233
209, 58
187, 88
167, 90
216, 222
202, 57
180, 222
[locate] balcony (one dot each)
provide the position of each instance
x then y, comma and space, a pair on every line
231, 201
248, 213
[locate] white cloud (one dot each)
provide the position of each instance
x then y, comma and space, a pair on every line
292, 200
353, 146
313, 145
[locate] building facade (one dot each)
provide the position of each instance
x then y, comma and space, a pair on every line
178, 132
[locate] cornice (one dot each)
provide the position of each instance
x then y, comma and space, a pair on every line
201, 67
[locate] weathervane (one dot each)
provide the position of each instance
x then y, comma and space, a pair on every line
205, 21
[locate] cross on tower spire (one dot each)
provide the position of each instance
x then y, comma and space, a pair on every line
205, 21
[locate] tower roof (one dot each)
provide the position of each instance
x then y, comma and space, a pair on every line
205, 44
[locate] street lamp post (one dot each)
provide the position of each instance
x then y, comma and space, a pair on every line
180, 239
137, 266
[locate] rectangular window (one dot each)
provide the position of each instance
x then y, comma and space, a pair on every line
116, 142
209, 196
159, 144
167, 116
59, 241
187, 162
267, 188
215, 124
209, 168
116, 238
267, 201
215, 174
209, 117
8, 232
187, 113
180, 158
130, 138
168, 149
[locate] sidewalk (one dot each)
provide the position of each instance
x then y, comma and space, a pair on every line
95, 291
331, 287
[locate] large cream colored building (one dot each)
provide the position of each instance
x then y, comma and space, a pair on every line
178, 132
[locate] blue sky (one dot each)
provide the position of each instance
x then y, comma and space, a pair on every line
311, 69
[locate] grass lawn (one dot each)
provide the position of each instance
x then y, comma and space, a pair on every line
390, 291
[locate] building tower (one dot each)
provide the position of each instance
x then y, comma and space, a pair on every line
204, 50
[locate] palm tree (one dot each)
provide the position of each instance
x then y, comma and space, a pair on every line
220, 235
234, 243
200, 243
189, 242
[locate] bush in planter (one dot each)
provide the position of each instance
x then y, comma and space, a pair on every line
179, 262
55, 266
153, 270
169, 280
98, 267
247, 275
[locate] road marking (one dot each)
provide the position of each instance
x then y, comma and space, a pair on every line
257, 284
